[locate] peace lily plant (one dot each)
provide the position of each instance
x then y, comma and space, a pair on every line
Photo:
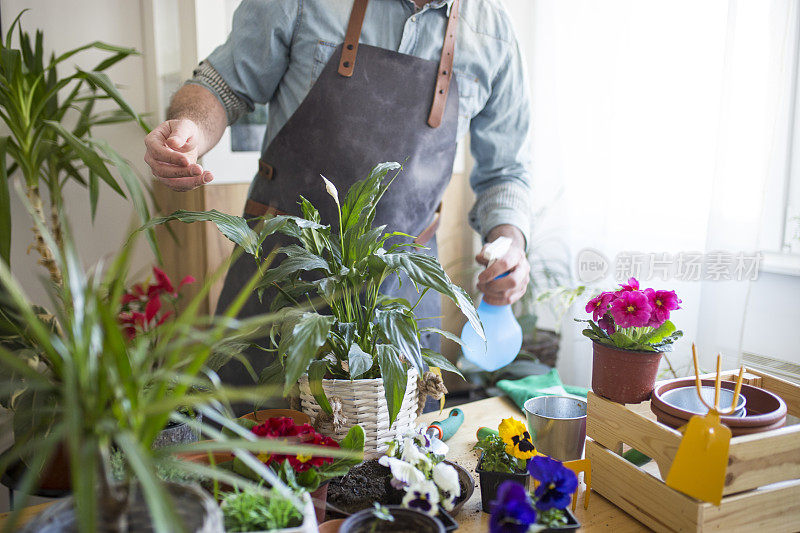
361, 333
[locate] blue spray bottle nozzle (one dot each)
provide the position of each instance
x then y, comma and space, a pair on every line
503, 332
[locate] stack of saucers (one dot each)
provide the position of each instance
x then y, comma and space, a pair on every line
675, 402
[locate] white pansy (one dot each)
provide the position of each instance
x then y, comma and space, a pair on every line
437, 447
403, 471
446, 479
412, 454
422, 497
331, 188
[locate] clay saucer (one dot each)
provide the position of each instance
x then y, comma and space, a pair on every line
675, 422
764, 409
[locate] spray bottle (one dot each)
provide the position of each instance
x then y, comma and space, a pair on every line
503, 332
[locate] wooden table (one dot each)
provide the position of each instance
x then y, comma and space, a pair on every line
601, 515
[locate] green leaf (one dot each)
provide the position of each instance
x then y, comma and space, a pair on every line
233, 227
297, 260
358, 361
400, 329
438, 360
354, 440
363, 195
136, 189
5, 206
93, 161
395, 378
663, 331
446, 334
425, 271
101, 80
316, 372
308, 334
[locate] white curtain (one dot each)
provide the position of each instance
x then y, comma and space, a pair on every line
658, 129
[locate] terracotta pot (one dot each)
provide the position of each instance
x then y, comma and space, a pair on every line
676, 422
623, 376
262, 416
765, 410
319, 498
331, 526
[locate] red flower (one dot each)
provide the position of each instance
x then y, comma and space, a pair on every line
285, 428
162, 281
662, 303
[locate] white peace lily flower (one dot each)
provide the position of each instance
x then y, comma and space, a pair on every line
446, 479
331, 188
403, 471
422, 497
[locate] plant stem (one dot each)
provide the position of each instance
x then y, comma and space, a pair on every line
46, 255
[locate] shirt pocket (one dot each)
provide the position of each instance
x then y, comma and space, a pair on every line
322, 54
468, 100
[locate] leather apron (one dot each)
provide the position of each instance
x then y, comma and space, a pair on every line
369, 105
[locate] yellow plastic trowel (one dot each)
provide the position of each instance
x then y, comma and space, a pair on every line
698, 469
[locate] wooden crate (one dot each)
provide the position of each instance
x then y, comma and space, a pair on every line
762, 484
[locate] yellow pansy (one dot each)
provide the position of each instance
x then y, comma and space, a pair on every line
517, 439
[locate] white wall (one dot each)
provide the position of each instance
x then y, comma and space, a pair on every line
68, 24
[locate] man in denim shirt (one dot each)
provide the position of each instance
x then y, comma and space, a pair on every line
285, 53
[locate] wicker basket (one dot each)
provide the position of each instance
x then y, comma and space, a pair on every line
363, 402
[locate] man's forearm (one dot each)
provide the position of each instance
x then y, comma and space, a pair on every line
198, 104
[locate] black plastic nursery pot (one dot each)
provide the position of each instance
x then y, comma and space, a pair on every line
404, 520
571, 525
490, 481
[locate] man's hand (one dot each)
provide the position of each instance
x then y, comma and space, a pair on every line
509, 289
172, 152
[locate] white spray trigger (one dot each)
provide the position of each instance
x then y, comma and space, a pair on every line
496, 249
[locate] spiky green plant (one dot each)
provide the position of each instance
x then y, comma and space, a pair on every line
112, 394
36, 104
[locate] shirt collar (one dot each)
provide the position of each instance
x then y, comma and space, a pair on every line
436, 4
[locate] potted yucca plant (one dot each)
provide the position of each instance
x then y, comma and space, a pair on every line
354, 344
630, 329
35, 99
109, 394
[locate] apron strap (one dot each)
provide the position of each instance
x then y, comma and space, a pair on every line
347, 62
445, 69
257, 209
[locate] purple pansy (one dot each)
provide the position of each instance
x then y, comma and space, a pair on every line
512, 511
556, 482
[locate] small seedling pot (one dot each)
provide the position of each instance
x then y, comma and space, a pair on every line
404, 520
490, 481
571, 525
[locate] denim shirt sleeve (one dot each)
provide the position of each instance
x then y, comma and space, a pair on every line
247, 68
500, 144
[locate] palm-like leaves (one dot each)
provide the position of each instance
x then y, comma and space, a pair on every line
108, 393
34, 105
368, 335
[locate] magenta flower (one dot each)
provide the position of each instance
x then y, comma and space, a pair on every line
631, 309
606, 325
633, 285
662, 303
598, 305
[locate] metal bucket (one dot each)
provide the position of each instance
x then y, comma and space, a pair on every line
557, 425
